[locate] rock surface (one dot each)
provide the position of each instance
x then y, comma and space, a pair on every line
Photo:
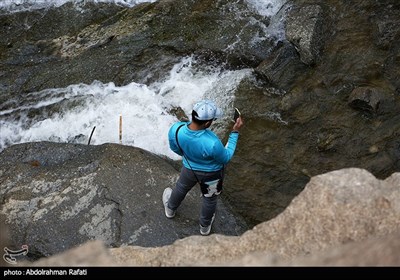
335, 208
57, 196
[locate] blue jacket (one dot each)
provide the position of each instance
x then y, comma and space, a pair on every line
202, 148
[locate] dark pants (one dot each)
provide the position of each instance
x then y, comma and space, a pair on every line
187, 180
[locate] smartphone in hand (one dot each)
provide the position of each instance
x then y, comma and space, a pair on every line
236, 114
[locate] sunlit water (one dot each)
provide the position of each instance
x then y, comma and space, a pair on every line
70, 114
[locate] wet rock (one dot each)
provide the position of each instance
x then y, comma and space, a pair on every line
366, 99
306, 28
281, 66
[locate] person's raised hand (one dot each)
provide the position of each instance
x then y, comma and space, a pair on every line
238, 124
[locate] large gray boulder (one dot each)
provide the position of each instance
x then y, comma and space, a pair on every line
57, 196
374, 251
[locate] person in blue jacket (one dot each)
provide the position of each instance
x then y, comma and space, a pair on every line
204, 158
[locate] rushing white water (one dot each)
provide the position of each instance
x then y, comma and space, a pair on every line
270, 9
70, 114
266, 7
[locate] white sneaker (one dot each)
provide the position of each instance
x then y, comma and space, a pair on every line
206, 230
166, 195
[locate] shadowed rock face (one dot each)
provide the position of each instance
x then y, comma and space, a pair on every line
342, 111
57, 196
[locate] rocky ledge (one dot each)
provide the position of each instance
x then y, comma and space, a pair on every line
63, 196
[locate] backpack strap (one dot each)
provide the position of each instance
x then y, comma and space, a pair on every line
176, 137
179, 146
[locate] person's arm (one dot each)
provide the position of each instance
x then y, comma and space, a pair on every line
224, 154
